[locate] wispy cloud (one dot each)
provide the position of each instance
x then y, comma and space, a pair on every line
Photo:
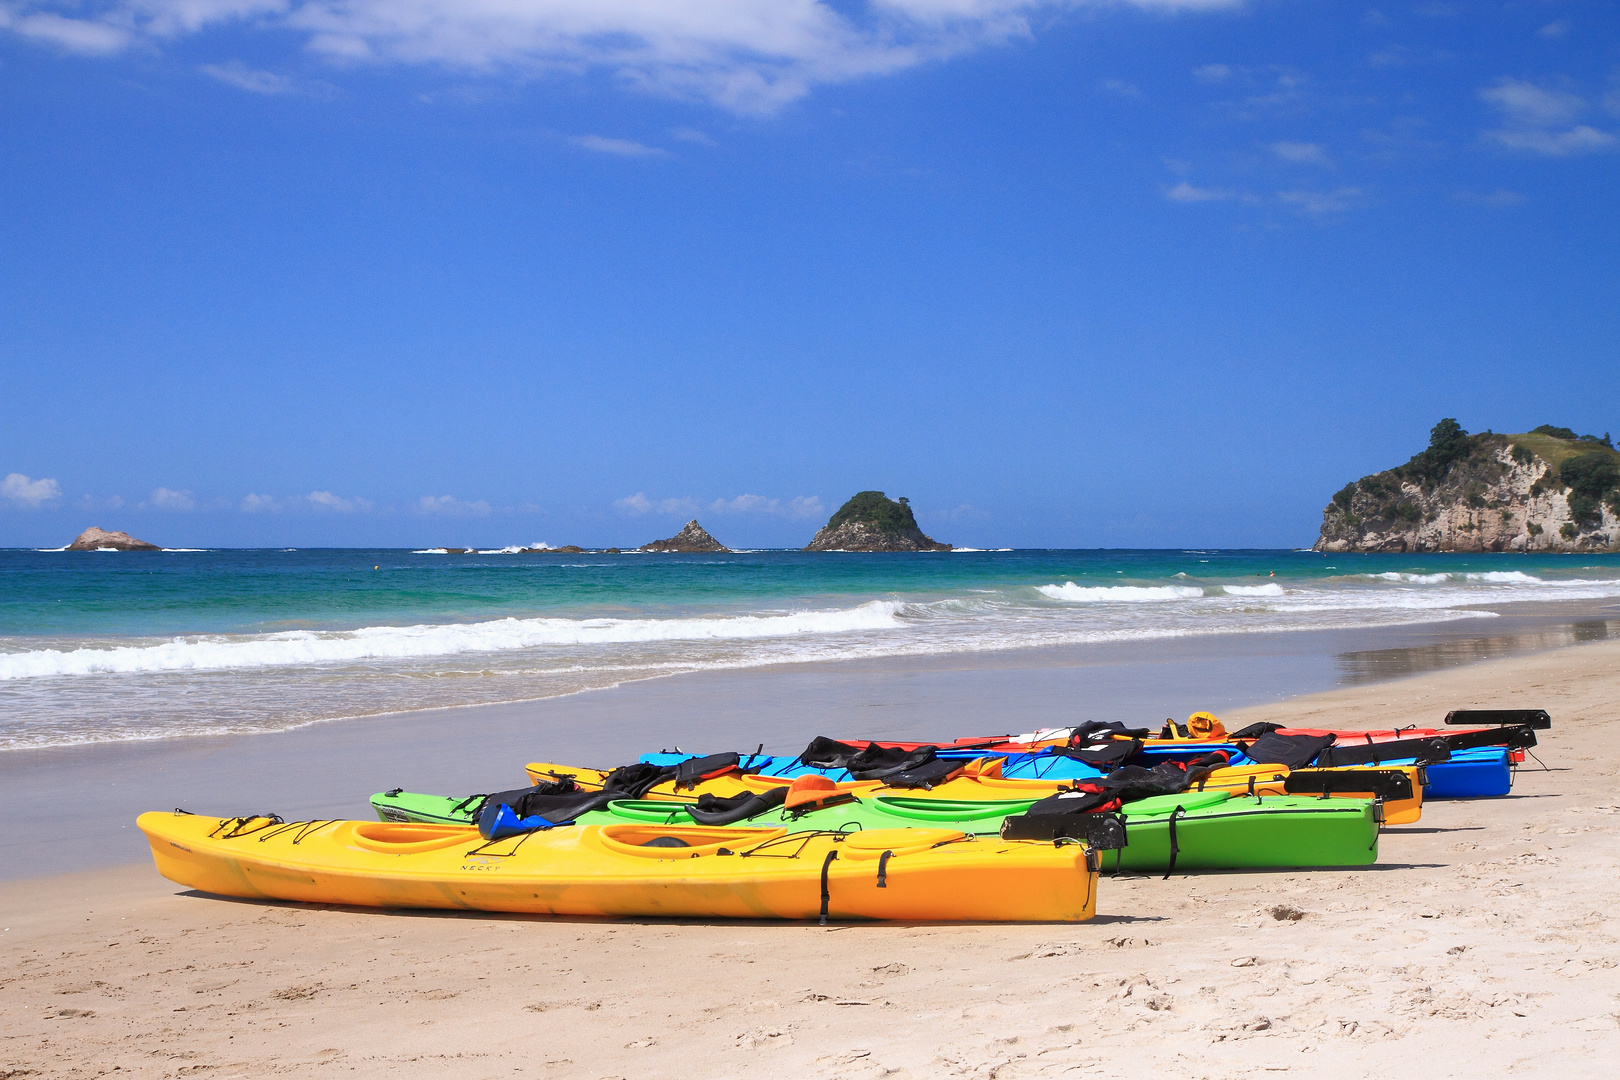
804, 506
1539, 120
1555, 29
450, 506
168, 499
1316, 203
1300, 153
83, 36
24, 491
691, 135
237, 74
1121, 88
259, 504
1186, 193
325, 500
638, 504
746, 55
1212, 73
601, 144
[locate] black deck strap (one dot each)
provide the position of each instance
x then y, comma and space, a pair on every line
1420, 750
883, 872
187, 813
826, 895
239, 825
460, 806
1532, 718
746, 765
1251, 784
1175, 848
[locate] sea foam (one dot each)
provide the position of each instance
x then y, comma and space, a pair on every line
302, 647
1270, 588
1128, 594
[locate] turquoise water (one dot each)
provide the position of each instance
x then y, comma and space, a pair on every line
111, 646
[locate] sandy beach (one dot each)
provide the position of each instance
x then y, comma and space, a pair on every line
1482, 940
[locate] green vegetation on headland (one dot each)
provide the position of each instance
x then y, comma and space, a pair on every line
871, 521
891, 516
1541, 490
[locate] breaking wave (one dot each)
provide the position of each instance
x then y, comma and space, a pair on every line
301, 647
1128, 594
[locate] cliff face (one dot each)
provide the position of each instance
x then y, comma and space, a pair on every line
1488, 492
870, 521
693, 537
98, 539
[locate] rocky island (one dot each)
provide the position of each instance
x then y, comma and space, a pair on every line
692, 538
1545, 490
96, 538
871, 521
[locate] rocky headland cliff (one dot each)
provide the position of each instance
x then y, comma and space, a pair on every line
96, 538
692, 538
871, 521
1545, 490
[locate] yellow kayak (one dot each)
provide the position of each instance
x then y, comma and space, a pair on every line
982, 780
630, 870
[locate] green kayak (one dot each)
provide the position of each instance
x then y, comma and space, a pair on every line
882, 812
1211, 830
1217, 830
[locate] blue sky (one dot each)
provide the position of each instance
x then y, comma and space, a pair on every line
1163, 273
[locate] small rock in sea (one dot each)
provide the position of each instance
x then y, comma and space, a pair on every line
96, 538
692, 538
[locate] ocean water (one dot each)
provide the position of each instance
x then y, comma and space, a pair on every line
99, 647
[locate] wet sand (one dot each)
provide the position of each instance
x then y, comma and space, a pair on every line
1483, 941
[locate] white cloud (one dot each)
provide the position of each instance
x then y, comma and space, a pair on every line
30, 493
691, 135
1554, 29
1300, 153
325, 500
1577, 140
1186, 193
450, 506
167, 499
746, 55
1212, 73
804, 506
83, 36
259, 504
621, 147
237, 74
638, 504
1320, 202
1121, 87
1542, 121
